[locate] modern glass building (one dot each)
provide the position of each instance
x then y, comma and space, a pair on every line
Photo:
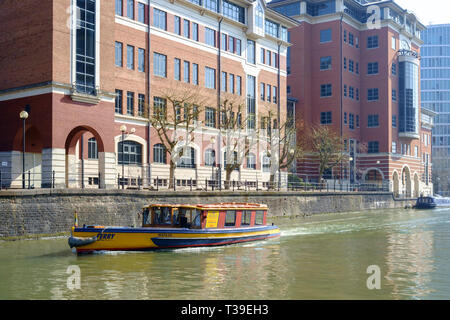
435, 89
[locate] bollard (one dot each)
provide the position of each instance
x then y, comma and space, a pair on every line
139, 182
99, 180
157, 183
191, 185
1, 182
29, 179
53, 179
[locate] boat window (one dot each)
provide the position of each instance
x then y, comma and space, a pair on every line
230, 218
162, 215
196, 221
176, 218
246, 218
259, 217
146, 217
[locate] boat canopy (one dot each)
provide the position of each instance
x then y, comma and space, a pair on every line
214, 206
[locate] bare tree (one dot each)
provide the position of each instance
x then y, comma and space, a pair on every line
239, 133
282, 147
175, 111
327, 146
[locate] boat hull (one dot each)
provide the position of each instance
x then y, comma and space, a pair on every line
141, 239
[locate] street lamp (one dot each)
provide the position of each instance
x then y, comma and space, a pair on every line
213, 164
123, 129
23, 115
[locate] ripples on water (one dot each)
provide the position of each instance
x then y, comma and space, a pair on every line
318, 257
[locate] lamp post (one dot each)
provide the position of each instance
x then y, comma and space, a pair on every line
213, 164
123, 129
23, 115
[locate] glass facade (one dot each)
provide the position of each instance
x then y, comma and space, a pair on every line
408, 119
435, 91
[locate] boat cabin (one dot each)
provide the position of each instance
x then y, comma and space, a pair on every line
205, 216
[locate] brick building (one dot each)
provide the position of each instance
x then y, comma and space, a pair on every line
89, 73
354, 66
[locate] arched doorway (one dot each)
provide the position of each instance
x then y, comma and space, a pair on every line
374, 176
416, 185
406, 181
396, 181
85, 161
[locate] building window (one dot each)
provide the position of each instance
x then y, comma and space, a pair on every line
210, 78
325, 90
351, 92
246, 218
393, 44
373, 147
272, 28
233, 11
92, 149
274, 95
351, 65
394, 69
210, 117
159, 65
251, 161
141, 60
129, 152
238, 47
186, 71
345, 90
231, 83
130, 9
177, 25
372, 94
372, 68
210, 37
159, 19
187, 159
345, 63
119, 7
372, 121
141, 12
118, 106
210, 157
239, 85
259, 16
141, 104
345, 117
351, 39
325, 63
251, 51
195, 73
159, 153
186, 29
212, 5
130, 57
119, 48
351, 121
195, 31
372, 42
85, 47
223, 82
130, 102
394, 95
325, 117
251, 103
394, 121
262, 92
177, 69
394, 147
266, 163
325, 35
159, 107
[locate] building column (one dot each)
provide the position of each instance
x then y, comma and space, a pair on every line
107, 170
54, 167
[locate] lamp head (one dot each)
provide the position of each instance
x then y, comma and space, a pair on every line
123, 128
23, 115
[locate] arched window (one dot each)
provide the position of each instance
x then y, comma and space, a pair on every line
159, 153
251, 161
92, 148
131, 153
210, 157
187, 160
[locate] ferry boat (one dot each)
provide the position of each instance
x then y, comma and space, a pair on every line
178, 226
425, 203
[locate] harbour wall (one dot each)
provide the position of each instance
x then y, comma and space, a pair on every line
25, 213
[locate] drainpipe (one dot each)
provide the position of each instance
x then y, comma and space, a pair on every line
148, 98
278, 113
340, 89
219, 88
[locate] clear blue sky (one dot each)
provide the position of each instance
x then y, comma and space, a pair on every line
428, 11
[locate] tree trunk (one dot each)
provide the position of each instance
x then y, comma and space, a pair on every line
171, 174
272, 181
227, 179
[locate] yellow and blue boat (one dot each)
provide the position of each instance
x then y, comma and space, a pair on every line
177, 226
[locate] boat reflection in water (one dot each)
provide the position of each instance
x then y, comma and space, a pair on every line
178, 226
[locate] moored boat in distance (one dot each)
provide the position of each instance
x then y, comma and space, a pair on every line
425, 203
178, 226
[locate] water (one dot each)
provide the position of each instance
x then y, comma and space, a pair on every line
319, 257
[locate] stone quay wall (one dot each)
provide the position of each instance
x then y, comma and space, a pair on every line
25, 213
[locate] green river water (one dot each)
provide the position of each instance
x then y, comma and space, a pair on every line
318, 257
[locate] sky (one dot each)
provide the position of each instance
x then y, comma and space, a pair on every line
428, 11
